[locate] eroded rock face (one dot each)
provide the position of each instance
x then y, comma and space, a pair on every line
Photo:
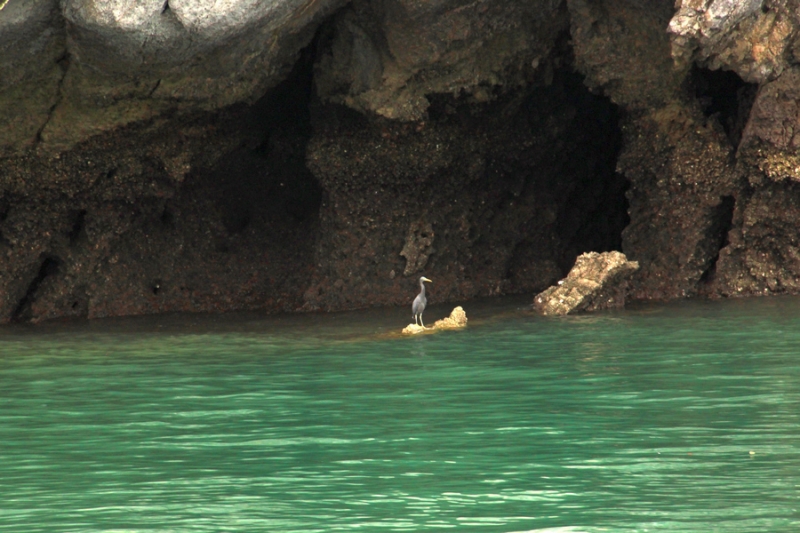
385, 57
211, 212
761, 253
148, 173
151, 158
753, 37
490, 199
758, 41
678, 156
597, 281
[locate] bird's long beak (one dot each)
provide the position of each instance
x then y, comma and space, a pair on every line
426, 279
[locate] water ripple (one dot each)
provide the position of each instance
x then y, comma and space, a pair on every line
679, 419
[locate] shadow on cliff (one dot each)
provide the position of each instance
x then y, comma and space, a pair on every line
293, 203
486, 197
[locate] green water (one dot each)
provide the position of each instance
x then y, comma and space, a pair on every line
664, 418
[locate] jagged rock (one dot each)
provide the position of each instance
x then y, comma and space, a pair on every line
760, 255
757, 40
413, 329
774, 126
745, 36
680, 162
623, 49
77, 68
456, 320
597, 281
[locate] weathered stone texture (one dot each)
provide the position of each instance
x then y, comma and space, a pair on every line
149, 160
169, 216
774, 122
622, 49
456, 320
104, 64
32, 48
386, 56
679, 161
478, 194
595, 282
761, 255
755, 38
150, 181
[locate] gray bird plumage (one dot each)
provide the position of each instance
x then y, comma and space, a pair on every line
420, 302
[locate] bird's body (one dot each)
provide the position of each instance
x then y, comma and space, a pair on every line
420, 302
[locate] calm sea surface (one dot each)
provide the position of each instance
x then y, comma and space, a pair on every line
682, 417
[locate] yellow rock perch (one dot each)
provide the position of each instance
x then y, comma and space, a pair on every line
456, 320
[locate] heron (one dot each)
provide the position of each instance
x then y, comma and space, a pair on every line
420, 301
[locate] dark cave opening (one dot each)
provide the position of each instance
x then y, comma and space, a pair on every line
239, 230
726, 97
581, 180
596, 211
267, 178
550, 189
551, 146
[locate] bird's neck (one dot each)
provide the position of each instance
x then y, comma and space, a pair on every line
422, 288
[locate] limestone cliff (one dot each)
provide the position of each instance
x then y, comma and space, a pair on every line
189, 155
